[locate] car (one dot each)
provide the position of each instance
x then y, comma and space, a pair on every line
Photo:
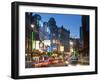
66, 63
73, 60
42, 64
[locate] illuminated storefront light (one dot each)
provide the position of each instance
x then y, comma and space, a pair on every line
47, 42
71, 46
71, 50
33, 40
61, 48
37, 45
54, 41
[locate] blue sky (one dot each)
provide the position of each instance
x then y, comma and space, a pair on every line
70, 22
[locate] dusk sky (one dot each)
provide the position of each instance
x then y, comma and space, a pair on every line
70, 22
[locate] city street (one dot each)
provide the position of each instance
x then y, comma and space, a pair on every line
49, 45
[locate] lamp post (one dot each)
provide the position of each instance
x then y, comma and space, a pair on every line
32, 39
33, 36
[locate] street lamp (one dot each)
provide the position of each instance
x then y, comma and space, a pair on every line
61, 48
32, 25
71, 43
